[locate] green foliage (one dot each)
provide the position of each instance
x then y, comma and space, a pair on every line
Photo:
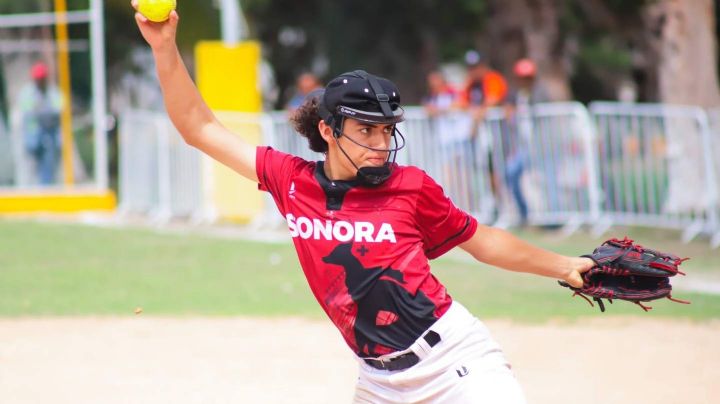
599, 65
200, 20
400, 40
55, 269
36, 6
27, 6
606, 55
627, 7
606, 33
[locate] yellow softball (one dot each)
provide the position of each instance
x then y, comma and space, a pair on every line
156, 10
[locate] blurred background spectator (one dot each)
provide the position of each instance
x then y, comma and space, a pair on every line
527, 91
441, 96
304, 85
40, 104
484, 88
441, 106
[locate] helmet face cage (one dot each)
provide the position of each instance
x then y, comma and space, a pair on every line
371, 176
338, 132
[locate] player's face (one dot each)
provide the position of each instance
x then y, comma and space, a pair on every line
355, 135
373, 136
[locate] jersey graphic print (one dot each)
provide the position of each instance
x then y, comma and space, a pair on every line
340, 230
365, 251
380, 321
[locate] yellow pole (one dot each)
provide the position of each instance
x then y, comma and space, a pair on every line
63, 63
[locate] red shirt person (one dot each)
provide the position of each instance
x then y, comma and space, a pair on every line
364, 229
364, 243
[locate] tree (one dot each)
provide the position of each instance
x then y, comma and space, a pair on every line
668, 48
532, 29
682, 38
401, 40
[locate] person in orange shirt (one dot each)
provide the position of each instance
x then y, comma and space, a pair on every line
484, 88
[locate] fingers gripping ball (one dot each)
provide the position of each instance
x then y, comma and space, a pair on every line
156, 10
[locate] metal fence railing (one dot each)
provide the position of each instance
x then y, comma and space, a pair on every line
159, 175
445, 148
7, 159
713, 115
553, 146
280, 134
138, 178
554, 164
656, 166
532, 166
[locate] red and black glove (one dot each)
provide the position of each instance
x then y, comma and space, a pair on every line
627, 271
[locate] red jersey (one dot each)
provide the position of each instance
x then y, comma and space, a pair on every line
365, 250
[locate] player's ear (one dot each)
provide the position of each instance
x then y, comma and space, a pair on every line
326, 131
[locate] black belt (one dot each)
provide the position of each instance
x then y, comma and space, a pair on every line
403, 361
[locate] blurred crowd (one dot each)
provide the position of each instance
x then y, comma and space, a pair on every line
457, 114
485, 88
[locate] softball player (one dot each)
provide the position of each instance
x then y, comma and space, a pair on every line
364, 229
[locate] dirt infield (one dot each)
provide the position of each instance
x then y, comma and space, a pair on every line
237, 360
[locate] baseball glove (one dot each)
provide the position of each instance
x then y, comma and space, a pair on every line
627, 271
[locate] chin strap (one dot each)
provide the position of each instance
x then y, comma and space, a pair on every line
369, 176
374, 176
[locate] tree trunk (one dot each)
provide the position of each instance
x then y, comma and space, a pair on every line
546, 47
530, 28
681, 33
505, 41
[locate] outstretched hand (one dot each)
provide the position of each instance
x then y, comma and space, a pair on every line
159, 35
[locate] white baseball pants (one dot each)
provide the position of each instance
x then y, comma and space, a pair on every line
466, 366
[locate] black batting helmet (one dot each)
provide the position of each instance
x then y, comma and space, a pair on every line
362, 96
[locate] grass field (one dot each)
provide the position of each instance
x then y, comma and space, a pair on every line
51, 269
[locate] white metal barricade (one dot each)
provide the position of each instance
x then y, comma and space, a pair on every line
182, 196
444, 148
543, 162
713, 115
473, 170
282, 137
625, 164
138, 156
7, 160
655, 166
159, 175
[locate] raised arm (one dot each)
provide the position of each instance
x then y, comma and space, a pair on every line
185, 106
501, 249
